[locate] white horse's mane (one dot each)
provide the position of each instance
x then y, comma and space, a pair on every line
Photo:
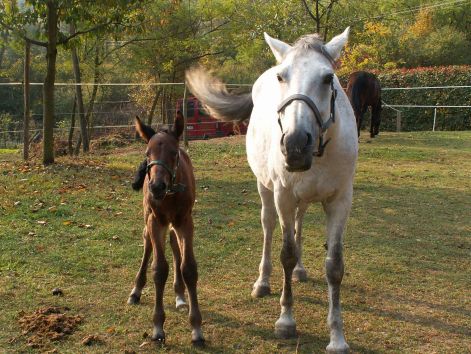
309, 42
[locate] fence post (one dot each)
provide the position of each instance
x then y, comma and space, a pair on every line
26, 99
185, 133
398, 120
434, 118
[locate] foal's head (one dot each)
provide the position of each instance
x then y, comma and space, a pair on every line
305, 74
162, 155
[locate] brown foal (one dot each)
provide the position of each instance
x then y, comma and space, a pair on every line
169, 196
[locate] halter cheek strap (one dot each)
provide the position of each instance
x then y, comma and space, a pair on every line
174, 187
323, 126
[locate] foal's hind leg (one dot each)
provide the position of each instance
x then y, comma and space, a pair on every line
299, 272
268, 218
337, 212
140, 280
189, 270
178, 284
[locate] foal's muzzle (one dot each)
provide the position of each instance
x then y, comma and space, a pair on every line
158, 189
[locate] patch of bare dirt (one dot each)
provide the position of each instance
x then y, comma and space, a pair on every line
47, 324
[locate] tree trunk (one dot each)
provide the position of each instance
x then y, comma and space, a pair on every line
26, 100
48, 88
70, 143
150, 116
78, 92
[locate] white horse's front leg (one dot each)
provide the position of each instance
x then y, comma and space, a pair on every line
299, 272
268, 219
285, 203
337, 212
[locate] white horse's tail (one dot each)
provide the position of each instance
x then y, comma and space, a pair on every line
216, 99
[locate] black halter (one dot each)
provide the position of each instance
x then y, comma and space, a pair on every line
323, 126
174, 187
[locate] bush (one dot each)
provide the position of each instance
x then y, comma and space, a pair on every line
414, 119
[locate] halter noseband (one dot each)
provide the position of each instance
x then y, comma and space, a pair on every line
300, 97
174, 187
322, 125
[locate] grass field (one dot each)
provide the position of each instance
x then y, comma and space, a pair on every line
77, 225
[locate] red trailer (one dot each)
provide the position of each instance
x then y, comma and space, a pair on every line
200, 125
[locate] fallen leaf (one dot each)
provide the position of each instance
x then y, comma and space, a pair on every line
42, 222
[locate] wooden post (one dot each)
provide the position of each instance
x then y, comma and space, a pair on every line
434, 118
26, 100
185, 133
398, 120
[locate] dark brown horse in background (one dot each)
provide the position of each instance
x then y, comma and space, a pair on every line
169, 196
364, 90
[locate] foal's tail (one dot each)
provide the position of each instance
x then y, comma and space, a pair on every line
217, 101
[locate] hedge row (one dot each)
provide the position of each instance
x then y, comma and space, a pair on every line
422, 118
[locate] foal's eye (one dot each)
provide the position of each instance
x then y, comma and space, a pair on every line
279, 78
328, 78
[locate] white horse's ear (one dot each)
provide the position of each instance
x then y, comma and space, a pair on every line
278, 47
336, 44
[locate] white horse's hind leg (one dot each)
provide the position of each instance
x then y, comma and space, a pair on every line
268, 218
299, 272
337, 213
285, 327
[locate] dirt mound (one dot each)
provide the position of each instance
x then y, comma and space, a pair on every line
47, 324
110, 141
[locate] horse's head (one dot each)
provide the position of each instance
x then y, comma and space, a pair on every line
162, 155
305, 74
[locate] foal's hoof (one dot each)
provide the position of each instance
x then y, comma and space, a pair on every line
134, 299
300, 274
158, 337
260, 290
285, 329
180, 303
197, 338
338, 348
199, 343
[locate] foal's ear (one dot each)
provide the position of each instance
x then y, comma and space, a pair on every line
278, 47
336, 44
143, 130
178, 125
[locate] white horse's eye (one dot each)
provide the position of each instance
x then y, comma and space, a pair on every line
279, 78
328, 78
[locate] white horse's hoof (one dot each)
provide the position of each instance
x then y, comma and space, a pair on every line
260, 290
285, 329
299, 274
338, 348
180, 303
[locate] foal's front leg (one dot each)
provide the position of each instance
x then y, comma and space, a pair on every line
337, 212
140, 281
285, 327
268, 219
160, 267
178, 284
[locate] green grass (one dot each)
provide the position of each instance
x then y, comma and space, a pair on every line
407, 251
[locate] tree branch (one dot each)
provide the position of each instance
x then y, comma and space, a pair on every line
23, 36
308, 10
78, 33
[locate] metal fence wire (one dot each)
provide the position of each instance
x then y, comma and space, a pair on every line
115, 105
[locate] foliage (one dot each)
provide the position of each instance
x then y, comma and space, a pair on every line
422, 118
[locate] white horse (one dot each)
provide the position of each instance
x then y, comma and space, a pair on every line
295, 109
